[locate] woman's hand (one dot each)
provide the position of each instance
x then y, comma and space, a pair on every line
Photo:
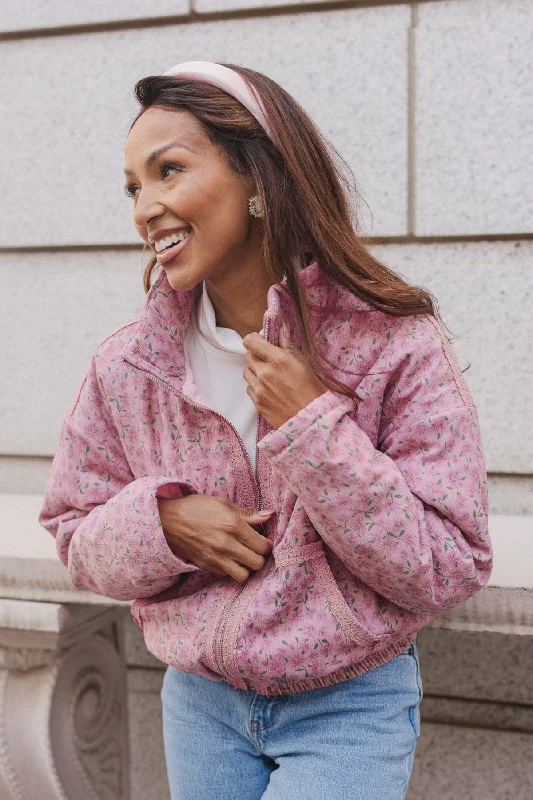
280, 381
215, 534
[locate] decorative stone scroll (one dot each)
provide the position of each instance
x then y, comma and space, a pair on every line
63, 721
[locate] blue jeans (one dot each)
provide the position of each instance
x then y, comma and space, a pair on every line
351, 741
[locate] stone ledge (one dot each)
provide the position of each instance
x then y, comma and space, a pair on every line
50, 626
505, 605
29, 566
494, 609
30, 570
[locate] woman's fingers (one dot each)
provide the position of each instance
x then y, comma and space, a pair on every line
236, 571
245, 555
215, 534
251, 378
259, 347
250, 538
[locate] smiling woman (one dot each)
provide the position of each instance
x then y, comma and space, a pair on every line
184, 188
279, 461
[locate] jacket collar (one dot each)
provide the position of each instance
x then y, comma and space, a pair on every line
157, 345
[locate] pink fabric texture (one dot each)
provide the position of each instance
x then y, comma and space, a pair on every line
228, 80
381, 502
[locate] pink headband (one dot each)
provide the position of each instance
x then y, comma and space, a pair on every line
228, 80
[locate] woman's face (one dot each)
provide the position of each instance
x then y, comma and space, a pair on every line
187, 200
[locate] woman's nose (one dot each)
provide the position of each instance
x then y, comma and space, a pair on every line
147, 207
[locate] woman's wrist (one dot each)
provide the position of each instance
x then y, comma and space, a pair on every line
167, 514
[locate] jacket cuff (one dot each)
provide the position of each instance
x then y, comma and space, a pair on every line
275, 442
172, 490
175, 490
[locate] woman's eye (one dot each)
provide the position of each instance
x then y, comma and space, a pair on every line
168, 169
130, 189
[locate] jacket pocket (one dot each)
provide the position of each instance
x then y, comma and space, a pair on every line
315, 556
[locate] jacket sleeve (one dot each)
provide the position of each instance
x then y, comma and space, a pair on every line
408, 518
106, 524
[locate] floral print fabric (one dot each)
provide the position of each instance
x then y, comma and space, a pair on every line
381, 502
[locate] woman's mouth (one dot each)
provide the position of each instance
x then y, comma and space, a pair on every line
171, 246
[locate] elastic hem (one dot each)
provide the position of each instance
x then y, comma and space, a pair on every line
376, 659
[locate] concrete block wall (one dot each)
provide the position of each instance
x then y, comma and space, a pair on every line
429, 102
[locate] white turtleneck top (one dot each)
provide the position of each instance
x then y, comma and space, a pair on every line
214, 359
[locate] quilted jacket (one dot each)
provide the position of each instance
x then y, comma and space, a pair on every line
381, 501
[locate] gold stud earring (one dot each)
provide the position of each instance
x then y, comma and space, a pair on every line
255, 206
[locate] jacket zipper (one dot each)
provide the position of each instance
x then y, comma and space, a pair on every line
221, 627
198, 407
219, 634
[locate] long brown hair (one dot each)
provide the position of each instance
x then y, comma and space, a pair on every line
304, 186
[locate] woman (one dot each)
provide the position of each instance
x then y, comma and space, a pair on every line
279, 461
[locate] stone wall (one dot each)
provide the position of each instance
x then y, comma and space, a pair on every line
431, 104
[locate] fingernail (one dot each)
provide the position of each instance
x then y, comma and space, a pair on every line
266, 513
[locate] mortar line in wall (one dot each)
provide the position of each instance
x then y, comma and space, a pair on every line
370, 240
411, 121
24, 456
452, 239
522, 475
72, 248
33, 457
194, 16
481, 701
468, 725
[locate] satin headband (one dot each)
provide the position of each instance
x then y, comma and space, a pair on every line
228, 80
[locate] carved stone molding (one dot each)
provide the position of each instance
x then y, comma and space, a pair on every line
63, 719
87, 722
24, 658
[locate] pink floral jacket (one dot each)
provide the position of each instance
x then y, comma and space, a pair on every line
381, 502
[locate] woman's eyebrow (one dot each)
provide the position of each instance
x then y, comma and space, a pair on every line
159, 152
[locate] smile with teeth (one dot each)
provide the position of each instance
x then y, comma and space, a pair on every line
170, 241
